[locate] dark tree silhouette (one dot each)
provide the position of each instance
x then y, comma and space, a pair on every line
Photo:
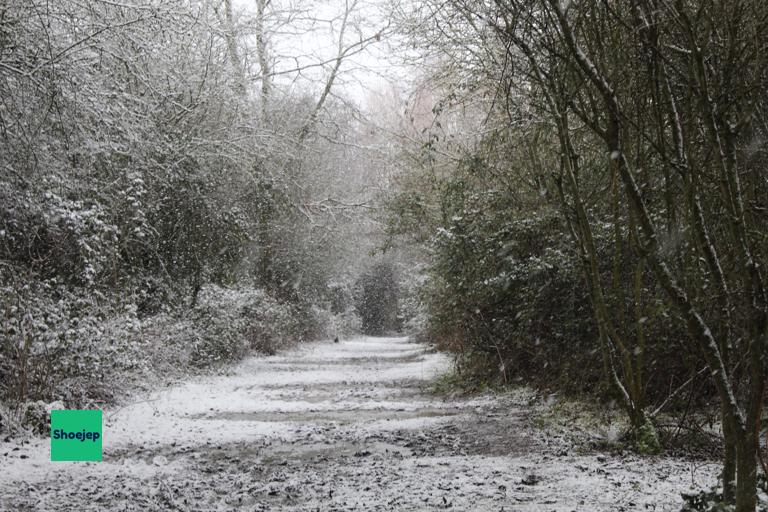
377, 299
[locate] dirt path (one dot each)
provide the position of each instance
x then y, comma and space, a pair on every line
346, 426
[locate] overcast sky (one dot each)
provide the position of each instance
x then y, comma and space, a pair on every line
312, 38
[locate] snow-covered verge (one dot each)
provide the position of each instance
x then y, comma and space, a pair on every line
65, 350
348, 426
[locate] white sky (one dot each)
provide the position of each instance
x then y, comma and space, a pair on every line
311, 38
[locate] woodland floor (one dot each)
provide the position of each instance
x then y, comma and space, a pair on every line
348, 426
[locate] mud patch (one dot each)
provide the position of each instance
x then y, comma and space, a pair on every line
344, 416
327, 451
416, 357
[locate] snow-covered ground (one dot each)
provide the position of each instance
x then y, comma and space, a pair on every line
345, 426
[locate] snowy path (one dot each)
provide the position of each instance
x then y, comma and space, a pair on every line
344, 426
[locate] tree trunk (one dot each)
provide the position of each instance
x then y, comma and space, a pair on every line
263, 55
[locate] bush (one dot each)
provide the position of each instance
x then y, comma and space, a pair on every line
412, 315
377, 299
80, 350
506, 293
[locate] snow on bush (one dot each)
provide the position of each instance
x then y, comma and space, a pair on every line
233, 321
82, 350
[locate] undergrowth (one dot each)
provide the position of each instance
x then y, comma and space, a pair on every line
63, 350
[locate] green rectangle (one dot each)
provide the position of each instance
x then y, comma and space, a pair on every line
76, 435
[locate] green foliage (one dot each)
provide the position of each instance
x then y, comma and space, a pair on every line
706, 501
460, 381
647, 440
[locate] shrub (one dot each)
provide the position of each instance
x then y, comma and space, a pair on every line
79, 349
506, 293
377, 299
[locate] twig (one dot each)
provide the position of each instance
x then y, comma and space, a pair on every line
676, 392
